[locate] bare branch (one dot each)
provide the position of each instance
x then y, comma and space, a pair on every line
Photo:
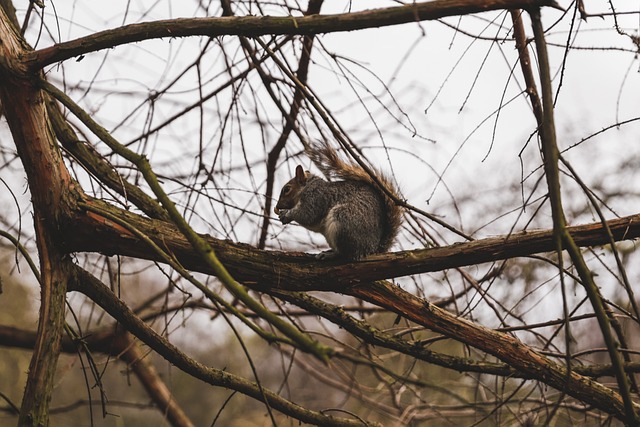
251, 26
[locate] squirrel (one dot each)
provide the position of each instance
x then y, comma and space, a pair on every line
356, 217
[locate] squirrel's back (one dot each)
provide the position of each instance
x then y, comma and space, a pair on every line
332, 166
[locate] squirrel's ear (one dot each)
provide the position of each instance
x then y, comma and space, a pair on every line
301, 175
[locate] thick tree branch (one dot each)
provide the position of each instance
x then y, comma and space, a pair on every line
378, 338
252, 26
301, 272
276, 270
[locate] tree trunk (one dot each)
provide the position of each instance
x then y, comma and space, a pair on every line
50, 185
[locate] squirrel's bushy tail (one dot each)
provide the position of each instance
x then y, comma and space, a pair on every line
332, 166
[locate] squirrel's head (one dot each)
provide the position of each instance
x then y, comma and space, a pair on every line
290, 193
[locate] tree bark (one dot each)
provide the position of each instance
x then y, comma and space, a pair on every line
49, 184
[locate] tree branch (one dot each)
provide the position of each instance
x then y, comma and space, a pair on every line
91, 160
252, 26
268, 270
301, 272
561, 234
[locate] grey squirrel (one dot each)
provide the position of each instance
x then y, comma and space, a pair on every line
354, 214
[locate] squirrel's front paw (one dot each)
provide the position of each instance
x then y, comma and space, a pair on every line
285, 216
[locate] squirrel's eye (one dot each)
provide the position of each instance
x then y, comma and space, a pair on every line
286, 190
